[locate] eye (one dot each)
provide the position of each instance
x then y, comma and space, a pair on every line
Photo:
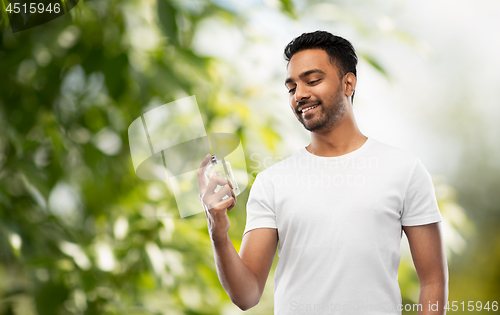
313, 82
291, 91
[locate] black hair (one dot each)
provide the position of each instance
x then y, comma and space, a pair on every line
340, 50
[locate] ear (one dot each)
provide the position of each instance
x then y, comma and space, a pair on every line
349, 84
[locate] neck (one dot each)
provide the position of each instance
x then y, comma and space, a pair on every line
339, 140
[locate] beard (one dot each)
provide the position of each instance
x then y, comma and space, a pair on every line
326, 117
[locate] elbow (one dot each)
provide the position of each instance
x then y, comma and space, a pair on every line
245, 305
246, 297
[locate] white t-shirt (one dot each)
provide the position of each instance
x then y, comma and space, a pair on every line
339, 222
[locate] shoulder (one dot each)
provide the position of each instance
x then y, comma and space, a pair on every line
392, 155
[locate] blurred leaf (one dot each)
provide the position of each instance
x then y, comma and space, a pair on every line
289, 8
375, 64
167, 14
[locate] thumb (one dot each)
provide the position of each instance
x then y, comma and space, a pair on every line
228, 202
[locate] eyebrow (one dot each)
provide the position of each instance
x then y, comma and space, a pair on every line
305, 74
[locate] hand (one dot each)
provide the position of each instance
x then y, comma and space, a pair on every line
215, 207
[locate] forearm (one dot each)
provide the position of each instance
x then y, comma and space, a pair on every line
429, 257
433, 299
236, 278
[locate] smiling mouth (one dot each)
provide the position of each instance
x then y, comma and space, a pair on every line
308, 109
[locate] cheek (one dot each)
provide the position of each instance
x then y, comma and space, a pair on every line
326, 90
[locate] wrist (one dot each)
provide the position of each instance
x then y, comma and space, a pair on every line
220, 239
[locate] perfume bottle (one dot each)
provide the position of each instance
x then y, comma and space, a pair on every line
223, 169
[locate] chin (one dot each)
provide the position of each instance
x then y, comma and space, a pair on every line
314, 127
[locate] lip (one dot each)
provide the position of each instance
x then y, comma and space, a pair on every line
310, 111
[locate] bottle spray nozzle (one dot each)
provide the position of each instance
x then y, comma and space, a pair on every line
213, 159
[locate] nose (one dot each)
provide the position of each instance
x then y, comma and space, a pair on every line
301, 93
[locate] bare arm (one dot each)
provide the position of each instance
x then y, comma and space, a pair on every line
429, 257
242, 276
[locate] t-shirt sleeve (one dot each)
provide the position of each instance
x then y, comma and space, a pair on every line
420, 204
260, 205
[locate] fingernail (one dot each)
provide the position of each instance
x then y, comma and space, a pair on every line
207, 155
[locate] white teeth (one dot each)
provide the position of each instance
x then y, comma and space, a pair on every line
306, 109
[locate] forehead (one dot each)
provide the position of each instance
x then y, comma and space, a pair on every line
308, 59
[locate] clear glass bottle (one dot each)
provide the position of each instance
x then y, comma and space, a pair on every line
223, 169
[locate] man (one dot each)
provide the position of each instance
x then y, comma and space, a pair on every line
338, 206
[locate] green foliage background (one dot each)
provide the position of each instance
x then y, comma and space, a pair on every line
68, 204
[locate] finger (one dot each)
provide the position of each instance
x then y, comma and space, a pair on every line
221, 205
212, 199
232, 188
234, 197
201, 174
215, 181
203, 165
232, 204
235, 201
224, 191
226, 203
233, 194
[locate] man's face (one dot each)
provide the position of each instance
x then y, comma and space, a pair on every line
312, 80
